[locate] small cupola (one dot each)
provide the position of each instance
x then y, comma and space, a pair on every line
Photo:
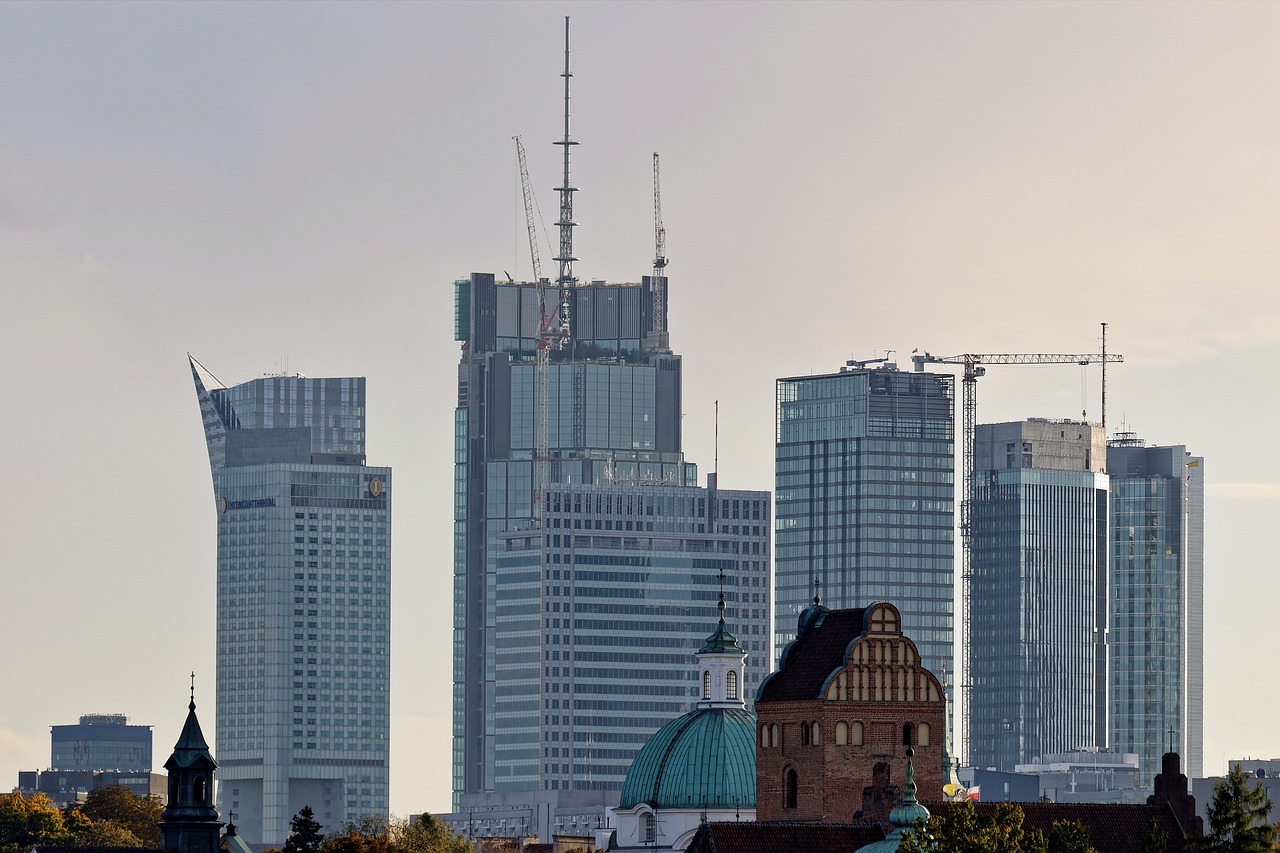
720, 666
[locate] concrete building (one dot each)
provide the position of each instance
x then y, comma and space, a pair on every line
303, 609
841, 716
865, 500
1156, 601
1038, 597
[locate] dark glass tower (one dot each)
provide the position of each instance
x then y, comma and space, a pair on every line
1038, 599
1157, 602
628, 545
865, 500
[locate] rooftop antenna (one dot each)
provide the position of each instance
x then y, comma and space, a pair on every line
715, 459
566, 223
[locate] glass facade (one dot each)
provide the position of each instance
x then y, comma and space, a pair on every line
865, 500
1037, 606
101, 742
1156, 601
303, 605
614, 415
595, 618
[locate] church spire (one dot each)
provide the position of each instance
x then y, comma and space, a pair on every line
189, 823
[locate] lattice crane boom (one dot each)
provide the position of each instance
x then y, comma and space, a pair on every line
975, 366
527, 190
659, 256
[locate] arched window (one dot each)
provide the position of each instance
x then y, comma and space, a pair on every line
922, 734
817, 734
650, 828
790, 788
773, 735
906, 734
804, 734
706, 685
198, 791
731, 685
842, 733
855, 733
764, 736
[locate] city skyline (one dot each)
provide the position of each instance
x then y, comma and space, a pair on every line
962, 168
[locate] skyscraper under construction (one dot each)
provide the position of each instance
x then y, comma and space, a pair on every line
587, 560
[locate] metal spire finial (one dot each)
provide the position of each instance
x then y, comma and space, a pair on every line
192, 706
817, 586
721, 604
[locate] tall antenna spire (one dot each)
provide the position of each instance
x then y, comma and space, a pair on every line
566, 223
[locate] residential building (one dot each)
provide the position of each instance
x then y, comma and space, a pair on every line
303, 606
1157, 601
865, 500
1038, 596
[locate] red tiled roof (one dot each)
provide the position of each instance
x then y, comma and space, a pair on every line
809, 660
780, 837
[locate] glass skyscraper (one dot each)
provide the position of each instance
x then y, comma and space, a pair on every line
1037, 606
865, 500
1157, 602
303, 603
565, 611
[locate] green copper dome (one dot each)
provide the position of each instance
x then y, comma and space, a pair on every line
705, 759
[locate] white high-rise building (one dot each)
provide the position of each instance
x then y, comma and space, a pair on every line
304, 603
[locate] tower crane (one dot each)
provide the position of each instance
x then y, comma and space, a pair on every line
659, 281
527, 190
975, 367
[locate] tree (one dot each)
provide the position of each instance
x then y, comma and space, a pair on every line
370, 835
1238, 816
1156, 840
960, 829
84, 831
25, 821
427, 835
304, 833
117, 804
1069, 836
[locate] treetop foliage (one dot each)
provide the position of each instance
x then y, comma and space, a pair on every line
110, 817
1238, 816
961, 829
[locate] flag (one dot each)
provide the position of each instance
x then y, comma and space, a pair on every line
975, 793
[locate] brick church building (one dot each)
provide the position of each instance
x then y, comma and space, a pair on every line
834, 722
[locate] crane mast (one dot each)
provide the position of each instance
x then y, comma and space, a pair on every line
975, 367
659, 280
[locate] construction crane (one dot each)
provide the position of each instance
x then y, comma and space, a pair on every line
659, 281
975, 367
527, 191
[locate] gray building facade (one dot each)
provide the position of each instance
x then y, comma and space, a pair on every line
1038, 597
568, 600
303, 602
101, 742
865, 501
1157, 602
595, 613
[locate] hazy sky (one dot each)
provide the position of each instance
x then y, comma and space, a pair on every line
250, 182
